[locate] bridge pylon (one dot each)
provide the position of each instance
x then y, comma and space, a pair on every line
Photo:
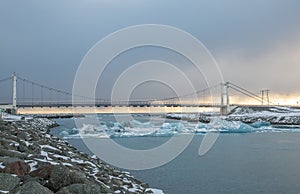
224, 109
14, 79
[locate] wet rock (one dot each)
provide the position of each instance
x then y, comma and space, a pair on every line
32, 187
19, 168
81, 188
8, 182
61, 176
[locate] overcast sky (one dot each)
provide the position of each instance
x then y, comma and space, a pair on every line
256, 42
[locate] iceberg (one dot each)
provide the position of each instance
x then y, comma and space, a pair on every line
135, 128
259, 124
224, 126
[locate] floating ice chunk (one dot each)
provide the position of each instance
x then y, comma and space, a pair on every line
259, 124
73, 131
166, 126
201, 128
90, 129
177, 126
64, 133
165, 130
225, 126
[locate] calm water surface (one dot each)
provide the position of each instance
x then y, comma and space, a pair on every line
237, 163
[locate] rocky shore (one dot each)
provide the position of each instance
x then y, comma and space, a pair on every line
33, 161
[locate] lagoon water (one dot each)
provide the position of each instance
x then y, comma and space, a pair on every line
260, 162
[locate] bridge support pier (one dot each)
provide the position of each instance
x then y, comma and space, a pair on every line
223, 110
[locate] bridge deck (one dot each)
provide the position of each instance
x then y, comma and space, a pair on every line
119, 105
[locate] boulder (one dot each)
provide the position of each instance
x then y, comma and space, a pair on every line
28, 178
117, 182
81, 188
6, 160
8, 182
19, 168
23, 135
13, 154
22, 148
61, 176
42, 172
32, 187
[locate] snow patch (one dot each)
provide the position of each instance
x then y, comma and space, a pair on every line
155, 191
49, 147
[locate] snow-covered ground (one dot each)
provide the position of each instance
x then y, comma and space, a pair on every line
9, 117
274, 115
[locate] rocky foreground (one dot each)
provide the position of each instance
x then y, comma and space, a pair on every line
33, 161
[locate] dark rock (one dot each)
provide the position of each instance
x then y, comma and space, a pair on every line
23, 135
22, 148
43, 172
61, 176
19, 168
32, 187
105, 188
28, 178
7, 160
81, 188
8, 182
14, 154
145, 185
117, 182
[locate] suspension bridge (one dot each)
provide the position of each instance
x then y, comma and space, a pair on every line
30, 97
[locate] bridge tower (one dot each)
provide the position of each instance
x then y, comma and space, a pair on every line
224, 94
227, 97
14, 79
265, 96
